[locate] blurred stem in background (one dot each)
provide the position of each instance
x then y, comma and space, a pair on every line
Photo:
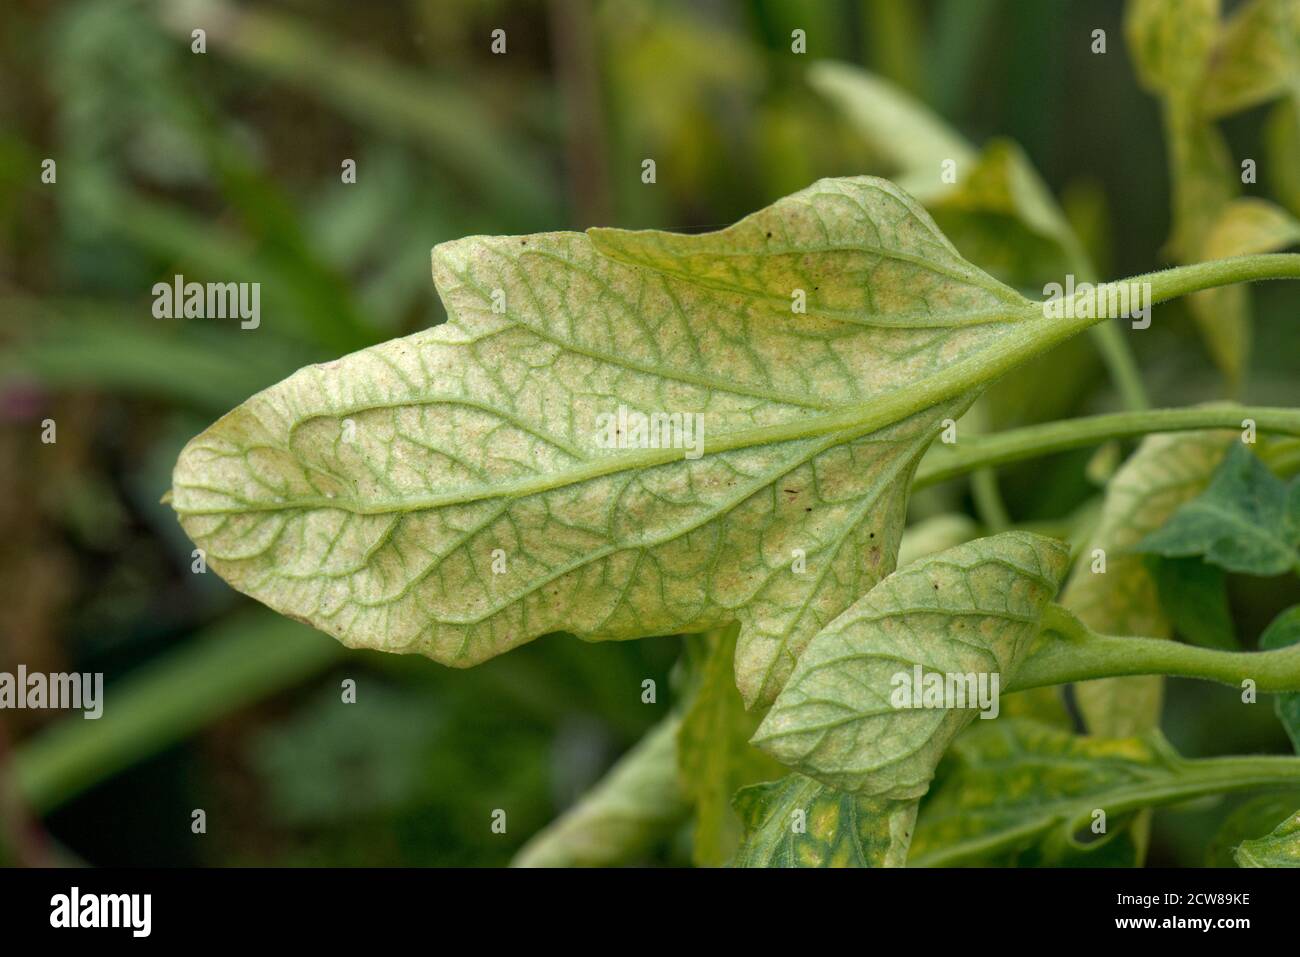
235, 663
573, 39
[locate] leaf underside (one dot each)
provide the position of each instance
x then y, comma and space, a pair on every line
972, 610
375, 497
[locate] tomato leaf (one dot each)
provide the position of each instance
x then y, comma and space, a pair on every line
1280, 848
1257, 57
1194, 597
796, 822
1015, 792
970, 611
1111, 589
636, 805
452, 493
1282, 631
1246, 520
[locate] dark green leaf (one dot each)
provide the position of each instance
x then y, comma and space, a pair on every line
1194, 595
1282, 631
1245, 521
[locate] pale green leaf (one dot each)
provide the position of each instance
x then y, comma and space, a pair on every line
1248, 820
970, 611
899, 127
1201, 69
1282, 145
1164, 472
998, 212
946, 530
1001, 214
1244, 227
1248, 226
714, 753
1171, 42
1281, 848
638, 804
1204, 179
372, 496
1016, 792
1256, 59
796, 822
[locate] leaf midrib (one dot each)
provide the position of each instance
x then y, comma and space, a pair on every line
852, 421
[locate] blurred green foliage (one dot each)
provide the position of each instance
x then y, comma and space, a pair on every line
225, 166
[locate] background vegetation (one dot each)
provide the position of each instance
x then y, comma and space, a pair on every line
226, 166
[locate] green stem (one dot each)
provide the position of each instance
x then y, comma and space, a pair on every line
1187, 779
964, 377
989, 506
1198, 777
1282, 457
948, 461
1075, 652
1169, 284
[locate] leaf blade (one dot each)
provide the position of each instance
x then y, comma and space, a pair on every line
1242, 522
797, 822
480, 435
1279, 848
971, 611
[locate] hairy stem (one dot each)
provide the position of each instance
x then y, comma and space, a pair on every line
1169, 284
1074, 652
1198, 777
949, 461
